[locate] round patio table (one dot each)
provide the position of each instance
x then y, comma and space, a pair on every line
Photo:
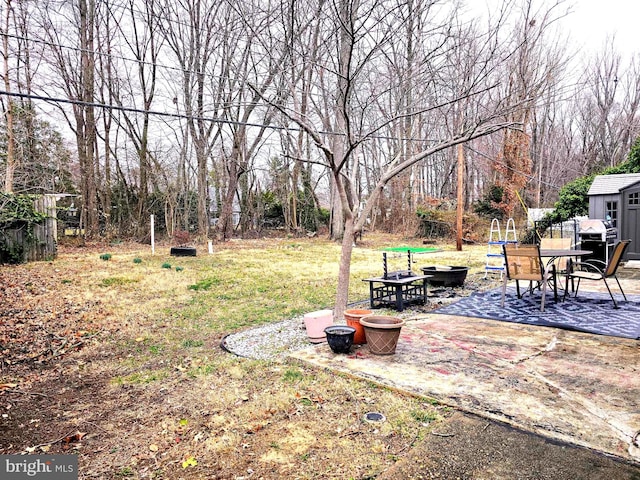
554, 253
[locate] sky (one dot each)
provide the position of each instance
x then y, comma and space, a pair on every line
592, 20
589, 22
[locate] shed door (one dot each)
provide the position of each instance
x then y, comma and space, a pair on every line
631, 225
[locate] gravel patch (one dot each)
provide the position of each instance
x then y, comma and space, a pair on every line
269, 342
276, 341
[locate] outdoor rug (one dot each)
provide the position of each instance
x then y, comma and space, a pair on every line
590, 312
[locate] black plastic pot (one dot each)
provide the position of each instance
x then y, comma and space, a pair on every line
182, 251
340, 337
447, 276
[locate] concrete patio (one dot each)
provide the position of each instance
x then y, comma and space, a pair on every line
569, 387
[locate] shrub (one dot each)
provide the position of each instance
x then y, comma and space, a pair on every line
435, 223
18, 218
489, 205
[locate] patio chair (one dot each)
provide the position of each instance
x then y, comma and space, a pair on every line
557, 244
561, 264
523, 262
594, 269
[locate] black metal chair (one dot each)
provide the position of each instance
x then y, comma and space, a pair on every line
594, 269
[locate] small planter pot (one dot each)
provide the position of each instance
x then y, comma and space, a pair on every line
353, 316
382, 333
340, 338
315, 323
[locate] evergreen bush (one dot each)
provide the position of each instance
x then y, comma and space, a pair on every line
18, 219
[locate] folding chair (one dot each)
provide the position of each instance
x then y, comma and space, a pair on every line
523, 262
561, 264
594, 269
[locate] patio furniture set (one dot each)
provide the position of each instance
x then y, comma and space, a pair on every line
551, 264
527, 263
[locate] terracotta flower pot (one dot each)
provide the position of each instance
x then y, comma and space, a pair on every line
353, 316
382, 333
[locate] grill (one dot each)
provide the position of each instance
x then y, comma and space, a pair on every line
600, 230
599, 236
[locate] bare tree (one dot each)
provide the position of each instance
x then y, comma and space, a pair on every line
251, 66
8, 107
106, 84
608, 108
410, 49
361, 42
75, 76
196, 31
19, 111
534, 68
140, 31
84, 113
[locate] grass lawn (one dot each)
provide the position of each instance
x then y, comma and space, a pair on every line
117, 359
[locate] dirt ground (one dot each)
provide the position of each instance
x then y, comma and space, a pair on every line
470, 447
97, 370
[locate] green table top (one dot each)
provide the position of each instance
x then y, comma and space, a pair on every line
412, 249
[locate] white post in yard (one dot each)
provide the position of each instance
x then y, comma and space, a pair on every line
153, 237
210, 247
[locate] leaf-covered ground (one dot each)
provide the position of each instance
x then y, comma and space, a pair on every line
118, 361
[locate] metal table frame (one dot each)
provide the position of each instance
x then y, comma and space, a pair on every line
554, 253
398, 291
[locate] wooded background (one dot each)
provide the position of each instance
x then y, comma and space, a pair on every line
222, 118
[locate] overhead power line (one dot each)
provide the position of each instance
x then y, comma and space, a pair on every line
145, 112
99, 53
183, 116
223, 121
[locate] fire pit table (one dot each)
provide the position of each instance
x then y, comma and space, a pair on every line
397, 288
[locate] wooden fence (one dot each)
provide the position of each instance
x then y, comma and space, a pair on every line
44, 244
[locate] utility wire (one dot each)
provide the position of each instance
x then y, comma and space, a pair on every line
147, 112
184, 116
192, 117
232, 122
566, 88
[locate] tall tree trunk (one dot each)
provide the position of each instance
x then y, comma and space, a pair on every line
203, 196
344, 269
86, 117
11, 161
460, 197
225, 219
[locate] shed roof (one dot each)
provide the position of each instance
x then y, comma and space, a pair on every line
612, 184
